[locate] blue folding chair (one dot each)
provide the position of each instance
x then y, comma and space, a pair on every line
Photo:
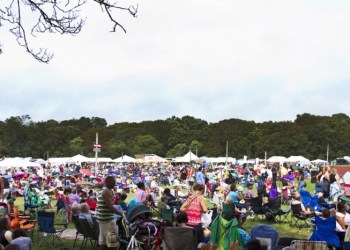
265, 234
325, 231
50, 235
305, 197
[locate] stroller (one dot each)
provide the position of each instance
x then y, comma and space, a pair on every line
139, 230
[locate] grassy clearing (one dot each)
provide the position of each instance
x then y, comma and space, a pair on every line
284, 228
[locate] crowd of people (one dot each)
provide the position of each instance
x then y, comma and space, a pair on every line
188, 190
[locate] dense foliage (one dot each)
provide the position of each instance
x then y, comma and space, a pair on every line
308, 135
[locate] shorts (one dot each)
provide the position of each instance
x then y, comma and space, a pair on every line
108, 233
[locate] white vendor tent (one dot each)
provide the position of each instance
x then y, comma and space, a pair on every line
187, 157
58, 160
152, 158
299, 159
78, 159
101, 159
16, 163
279, 159
125, 159
223, 160
319, 162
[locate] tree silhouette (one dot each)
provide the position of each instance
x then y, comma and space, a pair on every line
52, 16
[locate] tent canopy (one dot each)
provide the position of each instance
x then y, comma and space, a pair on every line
300, 159
319, 161
277, 159
152, 158
223, 160
16, 163
187, 157
78, 159
101, 159
125, 159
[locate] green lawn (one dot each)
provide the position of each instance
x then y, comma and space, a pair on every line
284, 229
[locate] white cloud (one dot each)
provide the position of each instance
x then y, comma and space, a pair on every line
254, 60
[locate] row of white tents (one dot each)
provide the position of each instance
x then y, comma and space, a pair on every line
152, 158
296, 159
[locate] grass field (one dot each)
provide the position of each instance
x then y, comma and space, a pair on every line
284, 228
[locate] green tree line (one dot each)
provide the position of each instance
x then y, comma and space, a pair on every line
307, 135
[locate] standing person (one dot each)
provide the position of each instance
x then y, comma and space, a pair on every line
334, 190
246, 174
183, 175
274, 170
326, 181
301, 181
194, 206
200, 178
105, 211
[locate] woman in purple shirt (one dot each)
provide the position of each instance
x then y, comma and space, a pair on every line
73, 197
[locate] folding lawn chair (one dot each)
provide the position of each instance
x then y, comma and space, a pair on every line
90, 232
279, 214
305, 197
297, 218
78, 227
285, 196
50, 235
166, 214
183, 238
257, 207
266, 234
309, 245
325, 231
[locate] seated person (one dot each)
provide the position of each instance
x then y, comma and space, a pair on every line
230, 211
168, 194
20, 238
321, 199
343, 218
76, 210
296, 200
181, 221
163, 203
326, 213
249, 193
85, 213
121, 201
236, 195
233, 194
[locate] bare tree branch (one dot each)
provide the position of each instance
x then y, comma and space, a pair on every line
53, 16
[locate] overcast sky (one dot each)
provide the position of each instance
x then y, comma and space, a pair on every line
214, 60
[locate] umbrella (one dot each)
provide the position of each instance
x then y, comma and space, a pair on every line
18, 175
85, 172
